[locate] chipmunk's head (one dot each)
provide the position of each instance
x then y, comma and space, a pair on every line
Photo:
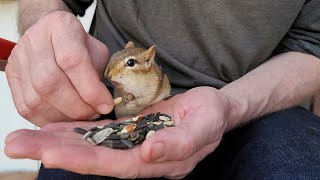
130, 65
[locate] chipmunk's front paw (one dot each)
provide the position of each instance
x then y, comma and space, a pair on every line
128, 97
130, 105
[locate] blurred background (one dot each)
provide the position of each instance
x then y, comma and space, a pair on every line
10, 120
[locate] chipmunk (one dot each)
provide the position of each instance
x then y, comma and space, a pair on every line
136, 78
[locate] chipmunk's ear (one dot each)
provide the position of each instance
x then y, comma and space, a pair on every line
129, 45
149, 56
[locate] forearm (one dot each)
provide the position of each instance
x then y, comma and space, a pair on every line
282, 82
30, 11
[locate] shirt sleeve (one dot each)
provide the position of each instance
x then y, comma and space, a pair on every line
78, 7
304, 35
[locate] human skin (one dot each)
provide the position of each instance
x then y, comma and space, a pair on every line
55, 71
201, 116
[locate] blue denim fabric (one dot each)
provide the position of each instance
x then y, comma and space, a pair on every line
282, 145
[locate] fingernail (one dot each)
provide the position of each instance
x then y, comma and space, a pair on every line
103, 108
157, 151
10, 137
94, 117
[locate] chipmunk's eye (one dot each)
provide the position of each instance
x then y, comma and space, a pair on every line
131, 62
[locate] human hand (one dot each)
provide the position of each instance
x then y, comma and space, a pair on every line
200, 117
55, 70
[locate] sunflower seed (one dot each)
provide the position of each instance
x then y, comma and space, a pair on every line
157, 127
128, 143
117, 100
102, 135
80, 130
124, 136
168, 123
157, 115
87, 134
133, 136
91, 141
116, 144
150, 133
113, 137
113, 126
140, 139
94, 128
164, 118
157, 123
141, 124
151, 117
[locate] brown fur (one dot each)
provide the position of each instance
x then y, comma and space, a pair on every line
141, 85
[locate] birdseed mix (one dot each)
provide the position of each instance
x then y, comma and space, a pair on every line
126, 134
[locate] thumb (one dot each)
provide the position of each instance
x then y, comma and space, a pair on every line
175, 143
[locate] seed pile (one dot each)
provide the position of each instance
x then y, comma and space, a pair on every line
126, 134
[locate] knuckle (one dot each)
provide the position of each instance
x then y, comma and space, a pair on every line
24, 111
30, 34
44, 83
90, 96
12, 76
32, 102
132, 174
9, 71
70, 60
181, 170
103, 48
14, 58
79, 116
62, 19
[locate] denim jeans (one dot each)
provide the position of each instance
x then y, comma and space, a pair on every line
282, 145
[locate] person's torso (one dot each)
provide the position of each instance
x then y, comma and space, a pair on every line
198, 42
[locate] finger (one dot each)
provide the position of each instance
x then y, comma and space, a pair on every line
39, 118
122, 164
61, 151
74, 59
50, 82
55, 150
31, 143
13, 79
15, 149
26, 100
31, 99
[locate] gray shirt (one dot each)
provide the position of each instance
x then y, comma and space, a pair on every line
209, 42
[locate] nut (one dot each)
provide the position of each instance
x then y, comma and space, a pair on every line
117, 100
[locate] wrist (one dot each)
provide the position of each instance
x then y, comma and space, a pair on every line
29, 13
236, 109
